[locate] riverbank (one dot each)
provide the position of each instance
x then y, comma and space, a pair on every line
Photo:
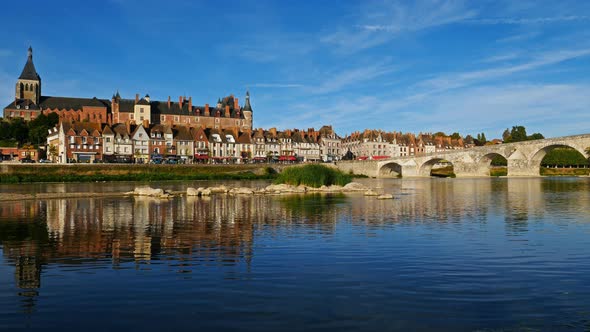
16, 173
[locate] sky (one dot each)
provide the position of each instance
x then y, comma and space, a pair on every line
410, 66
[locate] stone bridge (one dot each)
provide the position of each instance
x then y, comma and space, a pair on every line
524, 159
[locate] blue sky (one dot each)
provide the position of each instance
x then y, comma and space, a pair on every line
419, 66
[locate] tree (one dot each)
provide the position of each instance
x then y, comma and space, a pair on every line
19, 130
536, 136
506, 135
483, 138
455, 135
518, 134
440, 133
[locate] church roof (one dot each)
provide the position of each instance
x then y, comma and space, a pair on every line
29, 72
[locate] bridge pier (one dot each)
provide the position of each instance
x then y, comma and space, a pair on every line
464, 170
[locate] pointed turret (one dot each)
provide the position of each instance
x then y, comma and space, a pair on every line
247, 107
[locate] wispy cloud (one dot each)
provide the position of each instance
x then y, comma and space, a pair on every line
386, 21
501, 57
446, 82
335, 82
519, 37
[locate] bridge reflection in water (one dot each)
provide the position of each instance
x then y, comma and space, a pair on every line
222, 230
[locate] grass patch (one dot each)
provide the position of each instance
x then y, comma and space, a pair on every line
564, 171
499, 171
313, 176
94, 173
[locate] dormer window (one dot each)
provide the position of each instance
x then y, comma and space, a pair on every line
18, 107
27, 107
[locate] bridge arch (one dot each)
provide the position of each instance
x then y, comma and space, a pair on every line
484, 164
537, 157
427, 166
390, 170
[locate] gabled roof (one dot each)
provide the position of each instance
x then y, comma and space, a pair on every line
182, 133
245, 138
120, 129
107, 130
142, 101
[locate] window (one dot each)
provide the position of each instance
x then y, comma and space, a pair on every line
131, 116
162, 118
141, 110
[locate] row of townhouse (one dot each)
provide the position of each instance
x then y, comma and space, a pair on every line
375, 144
125, 142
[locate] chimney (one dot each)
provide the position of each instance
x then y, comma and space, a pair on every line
146, 123
136, 98
190, 104
180, 101
227, 111
168, 102
207, 110
236, 104
128, 126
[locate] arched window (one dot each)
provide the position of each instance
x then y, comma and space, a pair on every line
21, 91
27, 87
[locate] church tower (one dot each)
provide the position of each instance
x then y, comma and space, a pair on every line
247, 111
28, 85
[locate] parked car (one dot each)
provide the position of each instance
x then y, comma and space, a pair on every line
45, 161
27, 161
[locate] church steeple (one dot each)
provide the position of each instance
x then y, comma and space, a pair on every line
28, 85
247, 107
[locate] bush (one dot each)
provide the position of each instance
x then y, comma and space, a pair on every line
313, 176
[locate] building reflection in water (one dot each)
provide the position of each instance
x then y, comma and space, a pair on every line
186, 232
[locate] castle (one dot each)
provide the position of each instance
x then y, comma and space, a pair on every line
29, 103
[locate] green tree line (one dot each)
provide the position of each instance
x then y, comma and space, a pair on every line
17, 131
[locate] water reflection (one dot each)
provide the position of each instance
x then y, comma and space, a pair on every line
185, 232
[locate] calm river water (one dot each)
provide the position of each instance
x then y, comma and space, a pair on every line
445, 255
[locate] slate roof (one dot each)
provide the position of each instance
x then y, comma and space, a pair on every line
60, 103
29, 72
78, 127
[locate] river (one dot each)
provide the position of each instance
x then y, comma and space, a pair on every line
445, 254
